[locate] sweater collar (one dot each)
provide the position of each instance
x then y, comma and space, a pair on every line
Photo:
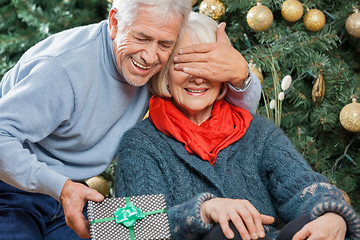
109, 55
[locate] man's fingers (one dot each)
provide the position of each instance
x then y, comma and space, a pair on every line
192, 65
201, 73
76, 221
220, 34
197, 48
73, 198
191, 57
94, 195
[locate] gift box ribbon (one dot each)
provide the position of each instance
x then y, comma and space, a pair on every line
127, 216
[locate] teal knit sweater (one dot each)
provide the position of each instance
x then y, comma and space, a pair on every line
262, 167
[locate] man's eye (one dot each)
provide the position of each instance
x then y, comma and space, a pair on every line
141, 39
165, 46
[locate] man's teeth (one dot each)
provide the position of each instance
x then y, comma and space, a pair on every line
195, 91
139, 65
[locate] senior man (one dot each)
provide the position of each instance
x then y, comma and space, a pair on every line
67, 102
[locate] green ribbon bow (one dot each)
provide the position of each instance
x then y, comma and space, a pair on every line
127, 216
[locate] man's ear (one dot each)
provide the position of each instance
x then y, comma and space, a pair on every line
113, 23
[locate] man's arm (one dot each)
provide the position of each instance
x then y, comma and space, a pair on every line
247, 97
31, 108
219, 61
29, 112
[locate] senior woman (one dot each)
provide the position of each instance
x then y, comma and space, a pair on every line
220, 166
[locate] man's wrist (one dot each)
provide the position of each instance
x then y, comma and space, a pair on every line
244, 85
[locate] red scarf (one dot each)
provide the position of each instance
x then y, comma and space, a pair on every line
226, 125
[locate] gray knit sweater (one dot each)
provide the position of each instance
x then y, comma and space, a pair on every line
262, 167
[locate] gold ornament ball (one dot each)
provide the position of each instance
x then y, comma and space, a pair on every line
212, 8
314, 20
259, 18
110, 1
350, 116
292, 10
255, 70
346, 196
352, 24
99, 184
193, 2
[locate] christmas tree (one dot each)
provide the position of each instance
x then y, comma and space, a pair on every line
23, 23
319, 53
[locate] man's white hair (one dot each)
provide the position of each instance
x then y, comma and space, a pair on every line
127, 9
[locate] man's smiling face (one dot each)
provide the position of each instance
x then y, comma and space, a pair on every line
144, 47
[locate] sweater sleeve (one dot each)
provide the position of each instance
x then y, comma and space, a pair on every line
139, 173
297, 190
247, 98
36, 99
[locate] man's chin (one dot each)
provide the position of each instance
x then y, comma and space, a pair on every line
137, 81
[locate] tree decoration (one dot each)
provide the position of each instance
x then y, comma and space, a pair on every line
212, 8
286, 82
99, 184
259, 17
314, 20
257, 72
350, 116
292, 10
352, 24
346, 196
281, 96
272, 104
318, 91
193, 2
110, 1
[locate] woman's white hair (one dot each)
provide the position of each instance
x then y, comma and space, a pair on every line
202, 29
127, 9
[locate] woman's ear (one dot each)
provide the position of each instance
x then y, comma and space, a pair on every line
113, 23
223, 90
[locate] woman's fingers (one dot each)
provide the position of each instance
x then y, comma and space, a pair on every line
328, 226
245, 217
240, 227
224, 224
251, 218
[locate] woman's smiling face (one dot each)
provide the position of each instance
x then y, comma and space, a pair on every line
192, 95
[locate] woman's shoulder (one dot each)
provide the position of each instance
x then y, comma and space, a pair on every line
143, 133
261, 125
145, 127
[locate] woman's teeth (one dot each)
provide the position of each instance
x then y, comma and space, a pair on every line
195, 91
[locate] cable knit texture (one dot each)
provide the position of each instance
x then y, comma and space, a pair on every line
262, 167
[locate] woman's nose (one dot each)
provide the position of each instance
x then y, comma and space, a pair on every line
197, 80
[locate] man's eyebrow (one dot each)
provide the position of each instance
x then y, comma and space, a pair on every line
144, 35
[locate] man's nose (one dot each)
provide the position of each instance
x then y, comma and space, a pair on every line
150, 55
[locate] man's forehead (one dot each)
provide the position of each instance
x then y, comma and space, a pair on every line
156, 26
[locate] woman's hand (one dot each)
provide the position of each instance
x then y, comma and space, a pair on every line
247, 220
328, 226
